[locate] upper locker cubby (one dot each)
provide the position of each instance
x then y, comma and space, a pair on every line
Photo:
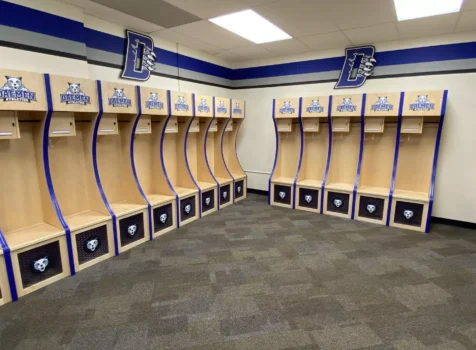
147, 163
288, 148
202, 126
422, 121
114, 138
179, 124
346, 145
75, 109
315, 121
28, 219
229, 145
381, 120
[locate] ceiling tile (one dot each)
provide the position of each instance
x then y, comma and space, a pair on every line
252, 52
467, 21
156, 11
373, 34
326, 41
429, 26
209, 8
469, 5
356, 14
212, 34
298, 17
286, 47
173, 36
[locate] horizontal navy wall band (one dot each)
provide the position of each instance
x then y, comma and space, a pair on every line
42, 50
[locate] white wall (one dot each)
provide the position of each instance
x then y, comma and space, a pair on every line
455, 194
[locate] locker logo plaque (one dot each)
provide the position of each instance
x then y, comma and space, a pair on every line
221, 107
315, 107
346, 105
74, 95
163, 218
14, 90
132, 230
203, 106
153, 102
207, 201
282, 195
422, 104
287, 108
92, 245
408, 214
238, 189
225, 194
181, 105
188, 208
119, 99
237, 109
308, 198
338, 203
382, 105
371, 208
40, 265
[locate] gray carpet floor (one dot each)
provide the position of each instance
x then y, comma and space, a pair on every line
258, 277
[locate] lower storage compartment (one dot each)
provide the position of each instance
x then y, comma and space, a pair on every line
163, 217
371, 208
208, 200
131, 229
408, 213
239, 189
188, 208
308, 198
92, 245
282, 194
338, 202
225, 195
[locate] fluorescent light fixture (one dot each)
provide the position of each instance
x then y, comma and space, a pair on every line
249, 25
411, 9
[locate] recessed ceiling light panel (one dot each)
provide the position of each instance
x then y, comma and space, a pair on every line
249, 25
411, 9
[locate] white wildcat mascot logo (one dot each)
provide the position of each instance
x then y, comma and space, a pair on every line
181, 105
382, 105
315, 107
408, 214
287, 108
308, 198
237, 109
74, 95
221, 107
92, 244
238, 189
40, 265
282, 195
422, 104
371, 208
153, 102
163, 218
203, 107
225, 194
14, 90
188, 208
338, 203
132, 230
119, 99
207, 201
346, 106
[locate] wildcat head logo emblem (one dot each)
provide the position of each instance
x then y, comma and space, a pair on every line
346, 106
287, 108
119, 99
371, 208
382, 105
338, 203
282, 195
225, 194
207, 201
221, 107
308, 198
422, 104
74, 95
132, 230
40, 265
359, 64
153, 102
238, 189
188, 208
408, 214
315, 107
203, 107
92, 245
181, 105
140, 57
163, 218
14, 90
237, 109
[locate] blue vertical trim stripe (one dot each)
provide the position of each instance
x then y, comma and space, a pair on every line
275, 153
9, 267
298, 170
361, 153
395, 158
188, 166
96, 169
329, 154
133, 163
435, 160
208, 164
49, 181
232, 190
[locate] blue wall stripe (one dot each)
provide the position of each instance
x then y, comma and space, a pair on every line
275, 153
395, 157
133, 163
96, 170
361, 153
49, 181
9, 267
186, 159
435, 160
298, 170
329, 153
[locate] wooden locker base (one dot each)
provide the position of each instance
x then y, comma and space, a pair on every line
240, 187
4, 285
371, 208
192, 200
164, 218
409, 210
277, 188
132, 225
308, 199
338, 192
92, 244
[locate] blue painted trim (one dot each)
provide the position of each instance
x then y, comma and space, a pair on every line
208, 164
96, 169
395, 158
329, 153
186, 159
275, 153
435, 160
361, 154
177, 199
232, 190
9, 267
133, 163
49, 181
298, 170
